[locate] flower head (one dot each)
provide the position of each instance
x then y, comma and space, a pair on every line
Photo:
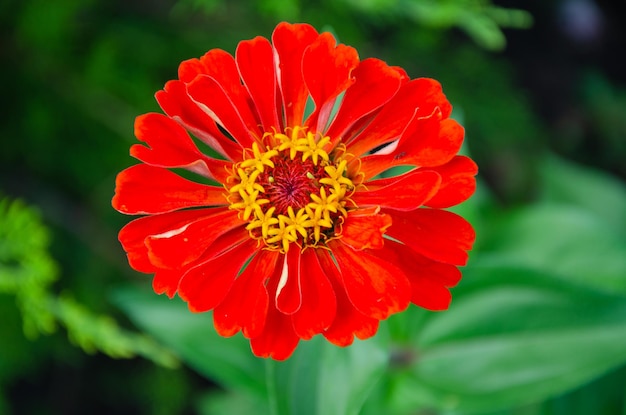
287, 229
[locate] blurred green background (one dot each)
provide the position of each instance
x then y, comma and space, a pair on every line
537, 326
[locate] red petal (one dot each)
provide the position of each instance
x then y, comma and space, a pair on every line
216, 63
319, 306
375, 287
327, 71
430, 285
416, 98
245, 306
178, 104
427, 141
348, 320
437, 234
226, 108
361, 231
457, 182
289, 293
290, 41
406, 192
278, 339
225, 242
143, 189
255, 60
222, 68
180, 246
166, 281
448, 224
425, 150
429, 280
170, 146
204, 286
133, 235
375, 84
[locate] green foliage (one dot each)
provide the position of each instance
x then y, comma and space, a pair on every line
514, 336
318, 379
480, 20
27, 271
602, 195
26, 268
605, 105
227, 361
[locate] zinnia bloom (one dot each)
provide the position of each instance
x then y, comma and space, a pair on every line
276, 217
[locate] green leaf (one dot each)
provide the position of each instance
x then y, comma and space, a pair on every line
348, 375
484, 31
600, 193
515, 18
28, 271
318, 379
513, 336
26, 268
323, 379
94, 332
228, 362
229, 403
568, 241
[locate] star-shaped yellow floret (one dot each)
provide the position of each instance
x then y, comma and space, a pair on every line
323, 204
290, 142
335, 176
317, 222
247, 182
264, 221
259, 159
280, 237
295, 222
311, 148
249, 204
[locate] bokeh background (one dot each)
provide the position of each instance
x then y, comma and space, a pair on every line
538, 325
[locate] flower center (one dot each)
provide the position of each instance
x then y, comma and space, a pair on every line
291, 190
290, 184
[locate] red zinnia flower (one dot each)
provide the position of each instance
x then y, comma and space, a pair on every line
288, 231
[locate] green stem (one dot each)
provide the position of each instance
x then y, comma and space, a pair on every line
270, 383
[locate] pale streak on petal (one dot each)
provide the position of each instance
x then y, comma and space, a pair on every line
202, 135
388, 149
171, 233
209, 112
284, 275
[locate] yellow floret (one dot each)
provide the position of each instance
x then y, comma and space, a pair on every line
310, 148
249, 204
259, 159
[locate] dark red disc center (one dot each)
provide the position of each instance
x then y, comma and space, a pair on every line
290, 183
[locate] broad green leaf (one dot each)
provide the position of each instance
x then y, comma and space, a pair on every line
318, 379
513, 336
228, 362
348, 375
230, 403
565, 182
566, 241
323, 379
585, 400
